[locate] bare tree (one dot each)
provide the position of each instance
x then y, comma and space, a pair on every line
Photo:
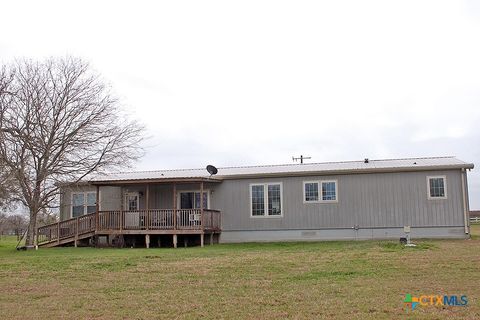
59, 124
3, 223
8, 188
7, 184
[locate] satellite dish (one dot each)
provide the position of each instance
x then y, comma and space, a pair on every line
212, 170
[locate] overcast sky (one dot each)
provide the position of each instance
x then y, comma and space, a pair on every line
256, 82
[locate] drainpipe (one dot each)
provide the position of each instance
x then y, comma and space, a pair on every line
465, 212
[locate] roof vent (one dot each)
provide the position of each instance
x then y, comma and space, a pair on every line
366, 160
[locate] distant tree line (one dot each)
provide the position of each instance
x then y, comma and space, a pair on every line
14, 224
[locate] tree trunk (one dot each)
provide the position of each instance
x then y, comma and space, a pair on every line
32, 229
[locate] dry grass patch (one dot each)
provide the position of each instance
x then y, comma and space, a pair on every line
357, 280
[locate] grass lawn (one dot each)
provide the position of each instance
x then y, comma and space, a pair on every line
356, 280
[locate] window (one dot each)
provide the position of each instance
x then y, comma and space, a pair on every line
258, 200
83, 203
437, 187
311, 191
266, 200
132, 201
91, 202
191, 200
329, 191
320, 191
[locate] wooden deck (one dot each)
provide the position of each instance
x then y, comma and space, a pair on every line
138, 222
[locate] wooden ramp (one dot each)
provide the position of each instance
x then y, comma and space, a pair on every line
67, 231
69, 240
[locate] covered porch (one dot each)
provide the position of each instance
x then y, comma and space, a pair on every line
133, 208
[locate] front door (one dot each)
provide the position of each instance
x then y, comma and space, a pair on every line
132, 215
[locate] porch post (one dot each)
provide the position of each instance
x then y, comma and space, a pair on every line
201, 239
201, 207
174, 206
122, 201
147, 205
97, 208
174, 214
147, 241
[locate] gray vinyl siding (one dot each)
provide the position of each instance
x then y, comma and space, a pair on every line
373, 200
66, 199
110, 199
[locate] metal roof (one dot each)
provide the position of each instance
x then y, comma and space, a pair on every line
385, 165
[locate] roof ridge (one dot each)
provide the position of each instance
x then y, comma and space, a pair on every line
414, 158
330, 162
279, 165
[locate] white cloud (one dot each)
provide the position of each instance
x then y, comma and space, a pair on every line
259, 81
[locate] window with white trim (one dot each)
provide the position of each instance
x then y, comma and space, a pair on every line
83, 203
311, 191
329, 190
266, 199
437, 187
320, 191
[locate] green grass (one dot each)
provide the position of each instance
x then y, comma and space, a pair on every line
358, 280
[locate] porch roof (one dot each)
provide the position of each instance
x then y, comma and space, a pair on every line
109, 180
345, 167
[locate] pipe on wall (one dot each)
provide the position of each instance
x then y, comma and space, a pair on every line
465, 212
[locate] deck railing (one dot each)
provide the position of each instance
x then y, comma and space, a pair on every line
159, 219
66, 229
153, 219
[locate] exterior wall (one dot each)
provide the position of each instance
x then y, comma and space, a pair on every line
161, 196
373, 201
110, 199
66, 199
379, 204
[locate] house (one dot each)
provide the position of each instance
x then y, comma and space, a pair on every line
368, 199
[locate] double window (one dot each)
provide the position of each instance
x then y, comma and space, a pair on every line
437, 187
320, 191
83, 203
266, 200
